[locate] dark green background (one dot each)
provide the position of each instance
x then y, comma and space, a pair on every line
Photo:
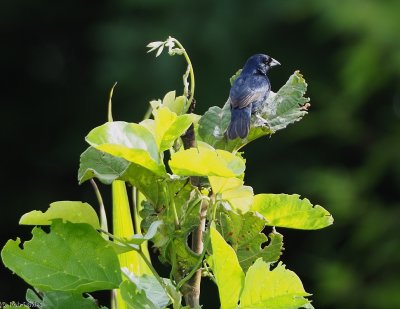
60, 58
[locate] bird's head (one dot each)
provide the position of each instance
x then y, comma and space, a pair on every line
259, 64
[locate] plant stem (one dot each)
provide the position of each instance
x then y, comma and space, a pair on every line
192, 84
110, 117
192, 288
142, 255
102, 211
200, 260
159, 279
148, 113
171, 202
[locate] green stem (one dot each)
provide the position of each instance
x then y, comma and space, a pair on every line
214, 208
135, 198
196, 267
159, 279
148, 113
142, 255
192, 83
206, 244
172, 204
103, 217
110, 117
174, 262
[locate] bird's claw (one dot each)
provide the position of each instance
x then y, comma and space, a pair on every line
261, 122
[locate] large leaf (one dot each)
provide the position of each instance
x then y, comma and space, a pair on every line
244, 233
147, 182
123, 228
233, 191
228, 273
104, 166
279, 288
107, 168
75, 212
204, 161
291, 211
130, 141
280, 109
72, 257
61, 300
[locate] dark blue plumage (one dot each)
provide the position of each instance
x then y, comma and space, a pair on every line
248, 92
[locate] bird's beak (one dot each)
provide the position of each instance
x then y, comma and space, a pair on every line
273, 63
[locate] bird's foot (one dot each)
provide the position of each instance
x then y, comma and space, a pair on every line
260, 121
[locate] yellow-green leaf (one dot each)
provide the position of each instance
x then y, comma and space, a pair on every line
72, 211
169, 127
240, 197
71, 257
206, 162
130, 141
291, 211
279, 288
228, 273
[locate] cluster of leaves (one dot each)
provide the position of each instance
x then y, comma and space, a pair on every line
76, 257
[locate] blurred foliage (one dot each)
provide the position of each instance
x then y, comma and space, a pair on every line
59, 61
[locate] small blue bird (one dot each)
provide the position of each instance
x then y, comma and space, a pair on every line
248, 92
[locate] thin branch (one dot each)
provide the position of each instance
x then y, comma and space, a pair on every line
102, 211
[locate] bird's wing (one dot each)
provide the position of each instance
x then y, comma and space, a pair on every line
248, 89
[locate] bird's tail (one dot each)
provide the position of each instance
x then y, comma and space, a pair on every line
240, 123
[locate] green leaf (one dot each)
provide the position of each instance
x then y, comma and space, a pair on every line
203, 161
189, 218
233, 191
61, 300
213, 124
134, 297
75, 212
244, 234
279, 288
138, 239
178, 105
228, 273
72, 257
104, 166
169, 127
153, 291
150, 184
174, 104
288, 105
188, 204
131, 141
169, 98
291, 211
107, 168
32, 297
185, 257
173, 244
